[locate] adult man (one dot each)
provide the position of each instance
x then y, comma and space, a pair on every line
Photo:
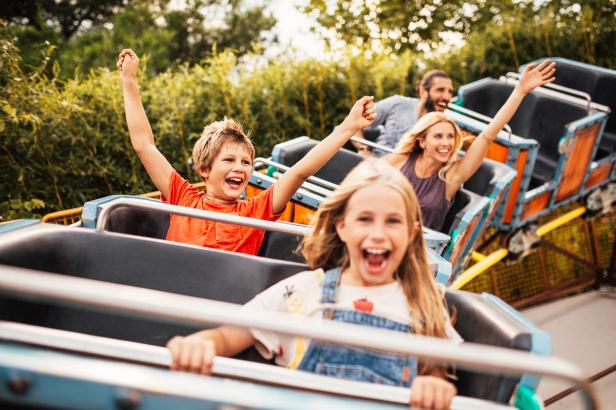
397, 114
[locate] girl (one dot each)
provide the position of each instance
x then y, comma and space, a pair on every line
427, 154
373, 271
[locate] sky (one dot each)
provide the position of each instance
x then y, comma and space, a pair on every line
293, 28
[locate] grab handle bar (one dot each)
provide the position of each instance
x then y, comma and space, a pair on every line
560, 88
223, 366
478, 116
200, 214
280, 167
147, 303
376, 145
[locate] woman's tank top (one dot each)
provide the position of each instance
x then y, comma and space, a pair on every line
430, 193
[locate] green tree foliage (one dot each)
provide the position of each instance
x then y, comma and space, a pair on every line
170, 36
393, 25
64, 142
68, 16
583, 32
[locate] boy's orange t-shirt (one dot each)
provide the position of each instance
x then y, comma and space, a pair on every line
214, 234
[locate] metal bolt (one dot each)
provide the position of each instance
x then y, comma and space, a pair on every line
128, 400
19, 384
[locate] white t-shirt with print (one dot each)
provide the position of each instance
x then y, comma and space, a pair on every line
300, 294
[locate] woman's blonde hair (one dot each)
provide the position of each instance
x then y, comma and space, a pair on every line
409, 142
323, 248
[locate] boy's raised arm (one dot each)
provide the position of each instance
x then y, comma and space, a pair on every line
141, 137
362, 114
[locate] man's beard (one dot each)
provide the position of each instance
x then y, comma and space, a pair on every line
430, 105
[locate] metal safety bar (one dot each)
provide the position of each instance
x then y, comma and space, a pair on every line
478, 268
560, 221
560, 88
478, 116
152, 304
376, 145
310, 187
281, 167
227, 367
200, 214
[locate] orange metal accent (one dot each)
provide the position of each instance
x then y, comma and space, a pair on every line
536, 205
577, 163
498, 152
514, 191
65, 217
599, 175
302, 214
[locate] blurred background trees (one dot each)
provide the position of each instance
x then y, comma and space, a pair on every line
62, 130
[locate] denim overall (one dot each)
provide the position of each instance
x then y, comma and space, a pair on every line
354, 363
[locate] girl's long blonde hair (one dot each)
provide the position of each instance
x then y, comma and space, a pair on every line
324, 249
409, 142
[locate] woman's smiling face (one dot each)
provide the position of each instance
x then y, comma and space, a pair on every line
439, 142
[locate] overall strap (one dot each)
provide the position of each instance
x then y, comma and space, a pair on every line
329, 292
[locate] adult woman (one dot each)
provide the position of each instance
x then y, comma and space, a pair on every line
427, 154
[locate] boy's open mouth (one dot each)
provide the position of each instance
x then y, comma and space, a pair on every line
234, 182
376, 258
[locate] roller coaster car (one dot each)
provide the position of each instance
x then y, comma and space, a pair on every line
219, 275
552, 148
463, 222
127, 215
597, 88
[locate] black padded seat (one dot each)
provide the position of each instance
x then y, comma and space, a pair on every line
336, 168
139, 222
372, 134
152, 224
478, 321
153, 264
607, 145
463, 202
282, 246
543, 171
484, 180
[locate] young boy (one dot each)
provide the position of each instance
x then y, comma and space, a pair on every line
223, 157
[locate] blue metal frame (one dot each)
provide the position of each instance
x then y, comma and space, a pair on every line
541, 340
572, 129
91, 209
104, 384
476, 213
17, 224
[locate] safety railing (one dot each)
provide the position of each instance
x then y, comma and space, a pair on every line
226, 367
165, 306
106, 210
478, 116
559, 88
258, 161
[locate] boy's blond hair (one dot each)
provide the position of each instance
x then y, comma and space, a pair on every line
214, 137
323, 248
